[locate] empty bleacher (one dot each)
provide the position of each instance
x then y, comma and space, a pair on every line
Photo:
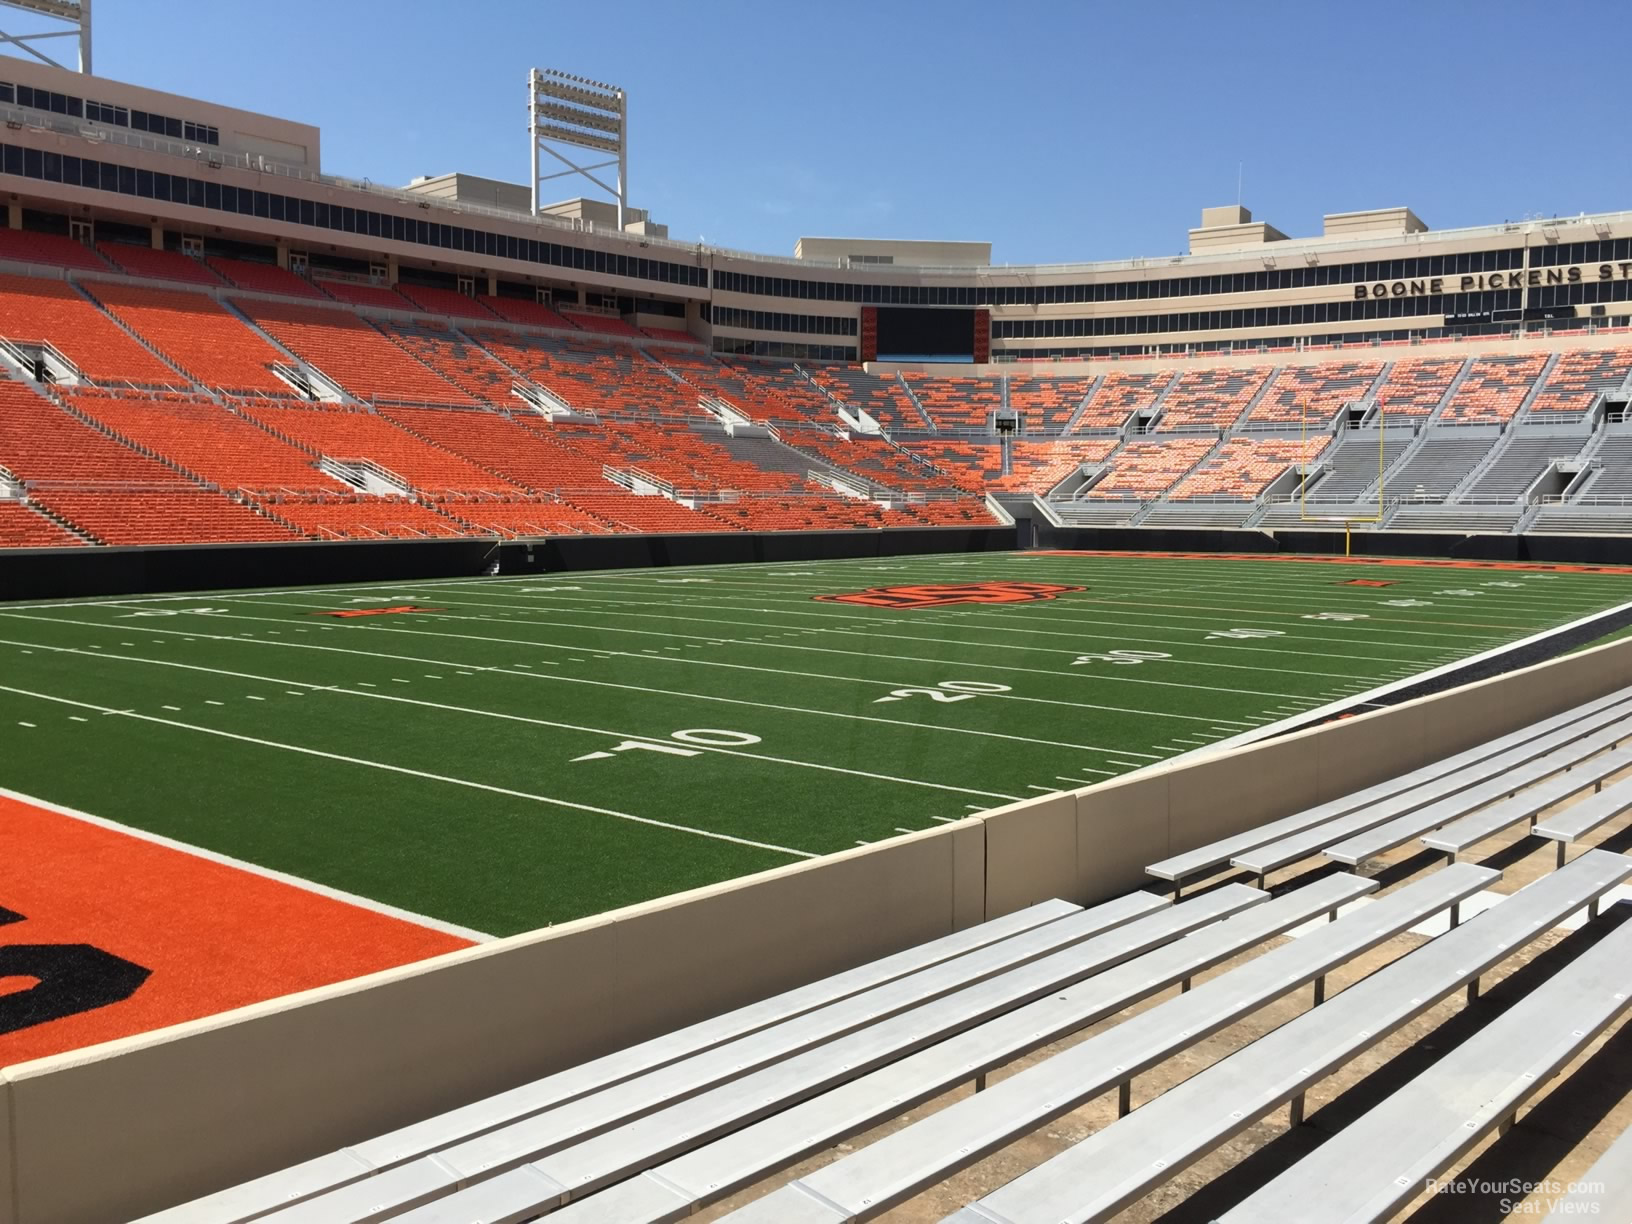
1493, 388
1037, 466
146, 517
1146, 468
1210, 399
467, 366
520, 519
153, 264
1312, 395
1046, 404
1520, 465
210, 343
1438, 465
522, 310
1120, 396
351, 353
955, 403
884, 399
1242, 468
605, 325
54, 312
975, 466
1414, 388
1577, 378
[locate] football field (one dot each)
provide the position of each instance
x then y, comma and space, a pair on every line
496, 754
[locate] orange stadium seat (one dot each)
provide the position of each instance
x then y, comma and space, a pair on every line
1493, 388
955, 403
346, 349
55, 250
263, 277
634, 513
445, 302
163, 516
605, 325
146, 262
501, 445
343, 517
516, 519
25, 526
520, 310
1577, 378
670, 335
1146, 468
969, 465
593, 376
1047, 403
43, 442
1037, 466
1210, 399
1243, 467
35, 310
466, 366
1120, 396
1312, 395
198, 334
1414, 388
380, 297
885, 399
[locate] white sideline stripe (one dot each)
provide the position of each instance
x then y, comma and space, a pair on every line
322, 890
1370, 696
415, 773
539, 722
635, 688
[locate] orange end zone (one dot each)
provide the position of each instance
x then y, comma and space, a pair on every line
1547, 567
104, 935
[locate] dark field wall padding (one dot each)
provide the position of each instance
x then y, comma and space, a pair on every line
63, 573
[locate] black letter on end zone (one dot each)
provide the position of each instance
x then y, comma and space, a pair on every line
73, 978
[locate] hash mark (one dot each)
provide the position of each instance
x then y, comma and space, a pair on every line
252, 697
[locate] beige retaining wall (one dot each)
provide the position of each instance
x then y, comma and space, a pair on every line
132, 1126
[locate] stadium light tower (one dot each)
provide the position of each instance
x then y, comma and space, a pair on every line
573, 111
76, 13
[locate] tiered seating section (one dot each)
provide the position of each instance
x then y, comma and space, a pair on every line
1047, 404
380, 297
1121, 395
23, 526
1243, 467
1210, 399
40, 310
885, 399
955, 403
1493, 388
594, 378
1312, 395
158, 265
445, 302
212, 345
263, 278
1146, 468
55, 250
1036, 467
1414, 388
1578, 377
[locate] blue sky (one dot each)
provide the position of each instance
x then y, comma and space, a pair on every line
1058, 132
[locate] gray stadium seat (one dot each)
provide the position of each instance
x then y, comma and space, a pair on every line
1119, 1164
1577, 821
1603, 1192
900, 1165
1457, 836
1375, 1165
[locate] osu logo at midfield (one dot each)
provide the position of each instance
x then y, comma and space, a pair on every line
941, 594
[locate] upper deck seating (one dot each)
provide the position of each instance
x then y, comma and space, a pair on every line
1312, 395
354, 435
56, 250
709, 376
1045, 402
884, 399
33, 310
1037, 466
593, 376
352, 517
24, 526
152, 264
201, 437
381, 297
1577, 378
1243, 467
40, 442
349, 351
970, 465
1210, 399
1494, 388
263, 277
467, 366
522, 310
1120, 396
777, 392
211, 344
605, 325
955, 403
1414, 388
872, 459
445, 302
1146, 468
142, 517
670, 335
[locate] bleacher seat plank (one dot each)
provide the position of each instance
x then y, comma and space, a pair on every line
1384, 837
254, 1198
1582, 818
1603, 1192
672, 1108
1470, 830
900, 1165
1116, 1166
710, 1172
1449, 773
1448, 796
1375, 1165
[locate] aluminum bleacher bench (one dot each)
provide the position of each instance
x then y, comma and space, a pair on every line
1447, 800
883, 1174
1118, 1165
680, 1185
253, 1198
1371, 1168
1603, 1192
686, 1103
1427, 783
1528, 804
1396, 832
1573, 822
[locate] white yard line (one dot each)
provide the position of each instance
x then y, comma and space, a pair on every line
418, 773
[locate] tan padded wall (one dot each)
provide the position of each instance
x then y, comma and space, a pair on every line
134, 1126
7, 1214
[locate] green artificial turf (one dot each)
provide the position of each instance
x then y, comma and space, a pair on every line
512, 759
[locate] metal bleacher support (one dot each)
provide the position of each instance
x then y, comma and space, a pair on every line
1118, 1164
1374, 1166
887, 1172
